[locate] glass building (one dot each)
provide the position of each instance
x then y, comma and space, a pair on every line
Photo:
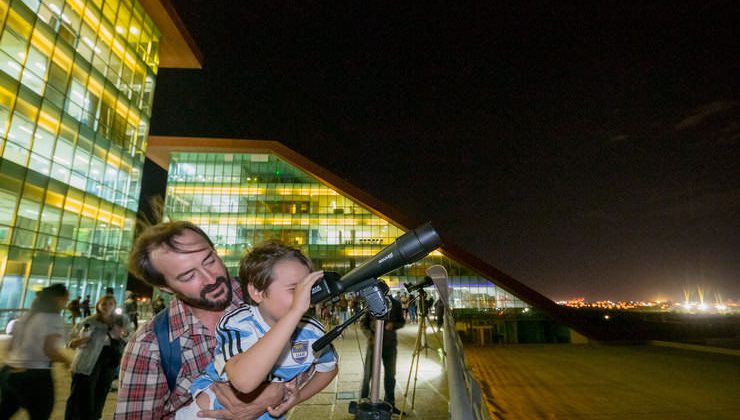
241, 197
77, 81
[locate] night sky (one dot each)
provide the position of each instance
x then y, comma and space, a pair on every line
585, 150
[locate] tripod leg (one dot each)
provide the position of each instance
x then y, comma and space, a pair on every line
436, 334
414, 356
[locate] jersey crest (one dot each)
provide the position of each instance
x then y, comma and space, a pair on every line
299, 351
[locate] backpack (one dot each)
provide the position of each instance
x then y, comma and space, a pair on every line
169, 351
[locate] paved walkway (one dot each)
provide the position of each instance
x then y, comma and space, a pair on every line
431, 384
572, 381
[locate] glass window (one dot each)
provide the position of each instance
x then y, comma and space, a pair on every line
20, 20
68, 228
23, 238
76, 99
77, 181
71, 22
8, 202
41, 264
60, 173
15, 153
33, 82
21, 131
36, 62
12, 284
4, 121
39, 164
15, 53
3, 11
32, 4
48, 16
62, 268
63, 153
43, 143
58, 77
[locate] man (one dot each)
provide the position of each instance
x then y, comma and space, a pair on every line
131, 309
179, 258
394, 320
85, 306
74, 309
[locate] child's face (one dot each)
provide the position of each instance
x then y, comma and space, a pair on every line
107, 306
275, 302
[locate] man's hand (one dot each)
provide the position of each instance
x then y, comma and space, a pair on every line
244, 406
292, 394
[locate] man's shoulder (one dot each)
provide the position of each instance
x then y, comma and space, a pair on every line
145, 334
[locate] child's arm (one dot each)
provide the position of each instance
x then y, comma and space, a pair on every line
249, 369
318, 381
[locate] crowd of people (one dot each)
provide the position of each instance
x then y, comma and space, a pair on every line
222, 347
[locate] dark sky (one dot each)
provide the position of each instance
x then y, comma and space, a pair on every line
585, 150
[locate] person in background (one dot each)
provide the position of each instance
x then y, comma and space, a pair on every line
394, 320
157, 304
98, 341
412, 310
37, 341
270, 336
343, 308
355, 305
85, 306
405, 305
131, 309
179, 258
439, 312
74, 309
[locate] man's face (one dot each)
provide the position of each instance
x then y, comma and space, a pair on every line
194, 273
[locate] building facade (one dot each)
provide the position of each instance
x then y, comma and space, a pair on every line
241, 198
77, 81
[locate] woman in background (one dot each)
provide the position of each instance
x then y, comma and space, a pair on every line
38, 340
98, 340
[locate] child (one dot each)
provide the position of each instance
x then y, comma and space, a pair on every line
269, 338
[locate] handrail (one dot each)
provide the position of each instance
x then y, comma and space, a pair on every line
466, 400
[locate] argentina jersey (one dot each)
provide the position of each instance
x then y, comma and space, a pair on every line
240, 329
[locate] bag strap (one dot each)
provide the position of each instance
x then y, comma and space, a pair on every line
169, 351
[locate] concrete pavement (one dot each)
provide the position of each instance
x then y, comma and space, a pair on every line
589, 381
430, 401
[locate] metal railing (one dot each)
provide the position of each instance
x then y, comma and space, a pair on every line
466, 399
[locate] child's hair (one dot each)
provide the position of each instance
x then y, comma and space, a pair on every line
255, 268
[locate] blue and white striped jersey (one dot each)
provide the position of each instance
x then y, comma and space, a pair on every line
240, 329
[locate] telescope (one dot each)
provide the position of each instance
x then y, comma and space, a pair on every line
408, 248
411, 288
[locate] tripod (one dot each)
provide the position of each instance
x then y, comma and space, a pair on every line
421, 343
374, 408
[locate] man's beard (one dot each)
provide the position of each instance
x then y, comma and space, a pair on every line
212, 305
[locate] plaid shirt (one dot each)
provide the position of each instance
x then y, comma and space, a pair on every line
143, 391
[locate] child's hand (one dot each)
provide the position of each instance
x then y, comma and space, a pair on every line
291, 397
302, 293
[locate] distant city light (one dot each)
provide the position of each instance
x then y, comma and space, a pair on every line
686, 306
